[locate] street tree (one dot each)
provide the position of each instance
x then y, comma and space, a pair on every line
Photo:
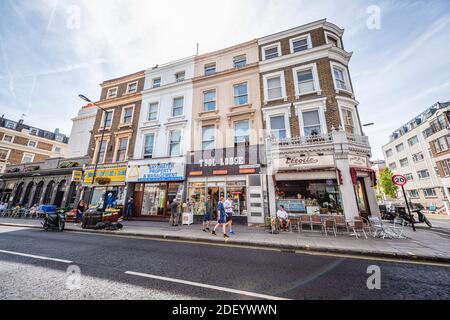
389, 188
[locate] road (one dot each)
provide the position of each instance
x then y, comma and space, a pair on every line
34, 264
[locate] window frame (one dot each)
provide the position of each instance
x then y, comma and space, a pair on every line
97, 150
209, 141
209, 66
412, 139
170, 142
108, 93
315, 75
344, 69
118, 148
248, 133
332, 35
402, 165
206, 102
239, 56
266, 78
270, 46
389, 153
123, 113
307, 37
32, 155
153, 82
35, 144
144, 145
173, 107
8, 135
429, 196
179, 73
423, 178
103, 119
149, 104
246, 83
286, 124
130, 84
8, 152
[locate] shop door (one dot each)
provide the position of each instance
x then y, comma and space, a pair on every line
138, 197
361, 198
216, 193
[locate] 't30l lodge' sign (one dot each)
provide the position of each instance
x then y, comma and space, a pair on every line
230, 161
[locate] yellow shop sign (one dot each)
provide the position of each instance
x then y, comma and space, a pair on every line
76, 175
114, 174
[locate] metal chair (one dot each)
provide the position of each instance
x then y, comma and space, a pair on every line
358, 226
329, 224
341, 223
294, 222
316, 221
304, 220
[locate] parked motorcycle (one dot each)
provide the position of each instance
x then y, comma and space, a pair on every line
408, 219
54, 220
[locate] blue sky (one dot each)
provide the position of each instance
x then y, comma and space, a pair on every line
49, 53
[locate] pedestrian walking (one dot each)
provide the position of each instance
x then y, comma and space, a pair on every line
221, 219
207, 214
229, 213
174, 212
129, 208
81, 208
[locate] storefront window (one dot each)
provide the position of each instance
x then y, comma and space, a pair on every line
238, 192
309, 196
153, 201
108, 197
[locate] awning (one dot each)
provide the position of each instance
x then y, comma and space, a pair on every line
309, 174
370, 172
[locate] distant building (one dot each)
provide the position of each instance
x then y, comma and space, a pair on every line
21, 143
82, 127
420, 150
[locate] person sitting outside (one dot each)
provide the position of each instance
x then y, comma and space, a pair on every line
283, 218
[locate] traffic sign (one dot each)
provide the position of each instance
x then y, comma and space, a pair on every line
399, 180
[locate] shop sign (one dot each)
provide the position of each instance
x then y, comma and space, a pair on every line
226, 161
357, 161
303, 162
155, 170
76, 175
114, 174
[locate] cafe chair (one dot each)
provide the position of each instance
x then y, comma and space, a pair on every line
316, 221
329, 224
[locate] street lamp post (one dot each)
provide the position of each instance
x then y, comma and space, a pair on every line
101, 139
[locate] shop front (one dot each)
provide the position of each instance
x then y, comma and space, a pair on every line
363, 179
234, 172
108, 190
155, 184
307, 184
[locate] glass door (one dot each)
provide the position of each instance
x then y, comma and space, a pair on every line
361, 198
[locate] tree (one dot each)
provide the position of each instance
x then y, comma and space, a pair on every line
389, 188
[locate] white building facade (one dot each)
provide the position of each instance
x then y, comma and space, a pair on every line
164, 137
80, 135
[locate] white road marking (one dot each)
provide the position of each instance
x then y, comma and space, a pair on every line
34, 256
207, 286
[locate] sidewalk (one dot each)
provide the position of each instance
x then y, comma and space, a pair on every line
423, 245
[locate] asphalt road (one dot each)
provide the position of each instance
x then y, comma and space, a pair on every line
127, 268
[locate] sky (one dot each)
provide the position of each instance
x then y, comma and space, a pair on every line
53, 50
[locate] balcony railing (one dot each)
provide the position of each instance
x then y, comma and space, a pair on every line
358, 139
302, 141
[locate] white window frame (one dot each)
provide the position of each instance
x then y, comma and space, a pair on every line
240, 56
331, 35
284, 110
389, 151
424, 178
334, 64
214, 138
209, 65
168, 142
430, 196
27, 154
203, 99
249, 130
8, 152
248, 93
98, 148
8, 135
35, 144
349, 105
103, 119
117, 146
153, 82
269, 76
108, 93
315, 75
180, 72
145, 134
130, 84
403, 147
270, 46
54, 149
122, 115
172, 107
305, 36
157, 102
405, 165
320, 106
410, 139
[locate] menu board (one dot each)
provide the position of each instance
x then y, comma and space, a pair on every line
292, 205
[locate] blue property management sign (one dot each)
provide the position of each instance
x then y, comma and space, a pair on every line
154, 170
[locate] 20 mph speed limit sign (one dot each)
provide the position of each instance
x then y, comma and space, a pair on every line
399, 180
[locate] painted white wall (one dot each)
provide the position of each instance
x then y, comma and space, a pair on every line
80, 134
164, 95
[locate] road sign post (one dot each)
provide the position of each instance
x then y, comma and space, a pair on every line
400, 180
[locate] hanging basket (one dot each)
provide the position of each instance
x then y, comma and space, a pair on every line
102, 180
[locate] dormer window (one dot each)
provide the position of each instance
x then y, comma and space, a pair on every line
180, 76
210, 69
112, 93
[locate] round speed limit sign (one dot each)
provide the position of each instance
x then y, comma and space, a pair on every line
399, 180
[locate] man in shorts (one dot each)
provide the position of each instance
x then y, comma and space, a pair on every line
229, 212
207, 215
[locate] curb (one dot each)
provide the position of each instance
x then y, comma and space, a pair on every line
282, 247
